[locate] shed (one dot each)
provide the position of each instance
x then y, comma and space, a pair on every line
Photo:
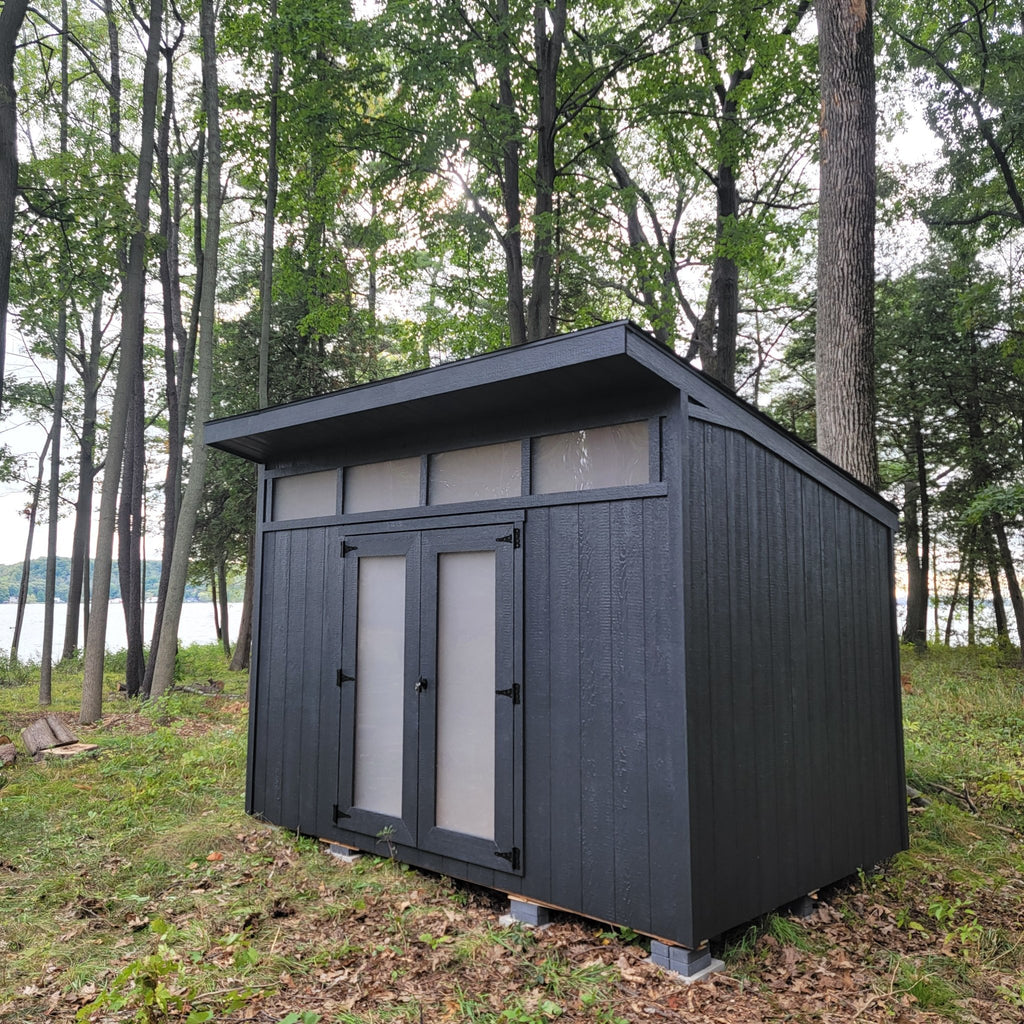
573, 622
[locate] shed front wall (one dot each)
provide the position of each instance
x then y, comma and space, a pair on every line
601, 811
792, 682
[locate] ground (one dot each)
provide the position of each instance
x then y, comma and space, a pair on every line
133, 888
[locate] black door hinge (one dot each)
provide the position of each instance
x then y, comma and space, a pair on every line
510, 538
512, 856
510, 691
339, 814
344, 677
346, 548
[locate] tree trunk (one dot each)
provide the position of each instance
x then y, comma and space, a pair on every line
222, 593
78, 582
132, 326
26, 567
992, 565
163, 674
129, 529
548, 52
953, 602
12, 14
1010, 572
269, 217
176, 353
918, 536
46, 654
240, 659
844, 348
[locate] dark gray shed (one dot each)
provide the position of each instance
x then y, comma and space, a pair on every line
571, 621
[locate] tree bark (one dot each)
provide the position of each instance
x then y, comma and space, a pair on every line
132, 326
12, 15
844, 350
163, 674
240, 659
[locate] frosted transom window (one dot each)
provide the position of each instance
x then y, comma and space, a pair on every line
473, 474
383, 485
584, 460
305, 496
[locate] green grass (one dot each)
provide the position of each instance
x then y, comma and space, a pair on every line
134, 888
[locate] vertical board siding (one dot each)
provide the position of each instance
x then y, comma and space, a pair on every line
593, 689
563, 728
286, 741
795, 763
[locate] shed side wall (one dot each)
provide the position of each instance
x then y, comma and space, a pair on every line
793, 695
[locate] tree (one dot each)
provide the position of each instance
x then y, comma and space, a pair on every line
163, 673
12, 15
844, 348
132, 327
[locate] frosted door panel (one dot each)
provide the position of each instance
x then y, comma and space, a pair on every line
471, 474
382, 485
585, 460
380, 684
305, 496
464, 800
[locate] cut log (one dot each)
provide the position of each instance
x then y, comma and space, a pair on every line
69, 750
60, 730
8, 753
38, 736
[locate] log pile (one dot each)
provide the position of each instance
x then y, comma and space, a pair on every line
50, 737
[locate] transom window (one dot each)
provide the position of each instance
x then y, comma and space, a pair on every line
577, 460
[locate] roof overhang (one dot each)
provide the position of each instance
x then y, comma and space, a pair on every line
608, 364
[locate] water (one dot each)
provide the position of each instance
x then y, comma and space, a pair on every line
196, 626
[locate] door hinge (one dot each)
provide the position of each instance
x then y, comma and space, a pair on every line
512, 856
339, 814
512, 691
344, 677
510, 538
346, 548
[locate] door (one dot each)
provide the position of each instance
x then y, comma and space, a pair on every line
431, 693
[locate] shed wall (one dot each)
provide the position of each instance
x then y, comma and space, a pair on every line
792, 682
603, 754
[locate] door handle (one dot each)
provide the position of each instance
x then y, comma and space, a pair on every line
421, 684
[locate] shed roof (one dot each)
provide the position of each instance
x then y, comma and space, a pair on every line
581, 369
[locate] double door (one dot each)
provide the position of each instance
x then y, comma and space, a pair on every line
431, 691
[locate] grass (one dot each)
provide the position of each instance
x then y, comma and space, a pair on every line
134, 888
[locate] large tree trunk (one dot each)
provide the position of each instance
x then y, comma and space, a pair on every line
163, 674
12, 14
844, 349
132, 326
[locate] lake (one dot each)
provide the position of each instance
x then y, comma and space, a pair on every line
195, 627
